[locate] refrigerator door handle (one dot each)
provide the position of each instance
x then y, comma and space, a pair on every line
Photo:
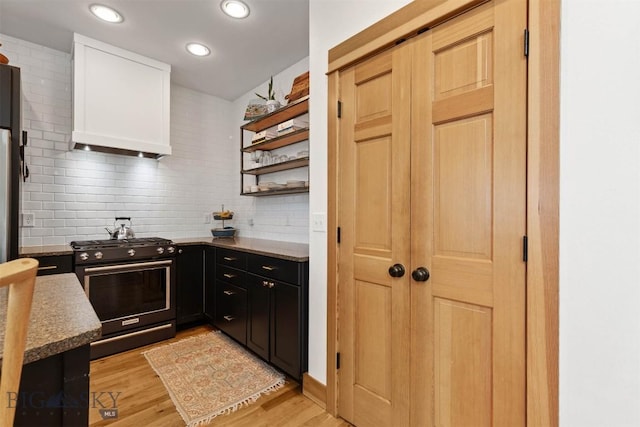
25, 168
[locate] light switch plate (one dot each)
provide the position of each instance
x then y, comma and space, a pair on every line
319, 221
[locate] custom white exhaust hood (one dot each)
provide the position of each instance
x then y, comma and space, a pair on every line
120, 101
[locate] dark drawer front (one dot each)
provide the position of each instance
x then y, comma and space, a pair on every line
55, 264
231, 311
230, 258
275, 268
230, 275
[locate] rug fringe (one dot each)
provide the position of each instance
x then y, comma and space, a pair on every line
234, 407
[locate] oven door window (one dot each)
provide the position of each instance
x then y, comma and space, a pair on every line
119, 294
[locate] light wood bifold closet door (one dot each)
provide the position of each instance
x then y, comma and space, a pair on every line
432, 181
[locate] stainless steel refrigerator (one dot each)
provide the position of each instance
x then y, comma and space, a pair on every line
10, 161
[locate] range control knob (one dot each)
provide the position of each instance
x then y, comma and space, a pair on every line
131, 252
84, 256
160, 250
171, 249
98, 255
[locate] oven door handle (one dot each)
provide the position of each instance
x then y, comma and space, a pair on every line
127, 266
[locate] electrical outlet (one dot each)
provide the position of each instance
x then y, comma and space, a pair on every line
28, 219
207, 218
319, 221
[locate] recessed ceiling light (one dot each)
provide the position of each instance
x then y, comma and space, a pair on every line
106, 13
198, 49
235, 8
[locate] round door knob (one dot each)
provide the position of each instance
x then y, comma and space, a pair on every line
420, 274
396, 270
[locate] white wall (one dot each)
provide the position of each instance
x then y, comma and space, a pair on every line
75, 194
600, 214
330, 23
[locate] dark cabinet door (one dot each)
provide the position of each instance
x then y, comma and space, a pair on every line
189, 284
210, 283
54, 264
286, 328
258, 317
231, 311
274, 324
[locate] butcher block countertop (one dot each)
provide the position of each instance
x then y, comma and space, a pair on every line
298, 252
61, 317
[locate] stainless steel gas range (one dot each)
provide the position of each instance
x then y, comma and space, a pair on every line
131, 285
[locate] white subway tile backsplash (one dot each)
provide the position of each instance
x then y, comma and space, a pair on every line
32, 160
75, 194
53, 136
64, 214
58, 240
48, 197
53, 188
63, 197
32, 241
54, 206
29, 206
40, 179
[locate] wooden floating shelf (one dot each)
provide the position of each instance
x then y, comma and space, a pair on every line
291, 164
278, 142
287, 112
277, 192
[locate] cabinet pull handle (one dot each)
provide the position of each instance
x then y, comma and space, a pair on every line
268, 268
228, 258
47, 267
228, 318
268, 284
229, 293
229, 276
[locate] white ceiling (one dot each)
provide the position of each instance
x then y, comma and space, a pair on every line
245, 52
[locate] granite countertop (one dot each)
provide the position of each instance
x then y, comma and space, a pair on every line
298, 252
27, 251
61, 317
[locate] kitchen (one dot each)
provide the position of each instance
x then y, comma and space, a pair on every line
331, 28
173, 197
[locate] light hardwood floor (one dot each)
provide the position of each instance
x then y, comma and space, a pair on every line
144, 401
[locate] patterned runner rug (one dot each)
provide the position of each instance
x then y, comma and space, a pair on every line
210, 375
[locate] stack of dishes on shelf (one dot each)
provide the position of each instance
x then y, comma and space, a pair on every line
295, 184
269, 186
263, 135
291, 126
274, 186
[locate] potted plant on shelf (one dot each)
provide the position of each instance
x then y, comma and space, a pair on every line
272, 104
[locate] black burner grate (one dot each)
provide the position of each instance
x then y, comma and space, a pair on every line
122, 243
